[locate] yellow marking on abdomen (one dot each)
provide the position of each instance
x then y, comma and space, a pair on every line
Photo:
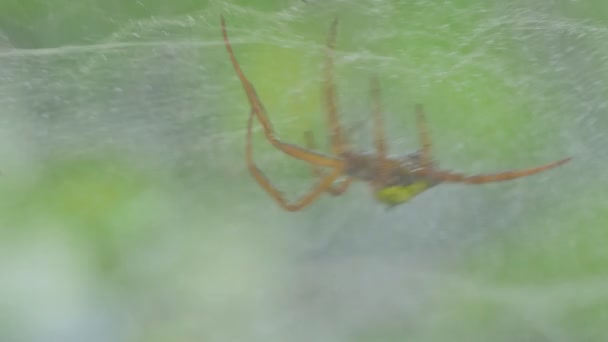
393, 195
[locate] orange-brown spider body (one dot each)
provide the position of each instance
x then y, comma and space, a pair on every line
394, 180
400, 171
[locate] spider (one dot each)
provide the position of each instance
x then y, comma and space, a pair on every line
393, 179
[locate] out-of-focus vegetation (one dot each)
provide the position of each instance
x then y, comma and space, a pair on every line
127, 213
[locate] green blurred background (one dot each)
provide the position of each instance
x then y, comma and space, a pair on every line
127, 213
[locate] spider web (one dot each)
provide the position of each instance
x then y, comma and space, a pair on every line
179, 238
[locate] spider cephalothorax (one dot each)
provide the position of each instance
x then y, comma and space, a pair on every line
394, 180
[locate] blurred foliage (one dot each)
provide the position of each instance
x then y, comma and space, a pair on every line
126, 212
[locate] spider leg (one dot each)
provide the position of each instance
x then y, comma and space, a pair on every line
337, 138
318, 173
378, 121
383, 166
323, 185
447, 176
259, 111
424, 138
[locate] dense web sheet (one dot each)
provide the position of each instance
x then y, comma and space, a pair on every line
161, 71
191, 247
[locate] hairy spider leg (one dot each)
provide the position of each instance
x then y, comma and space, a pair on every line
378, 131
448, 176
337, 138
259, 111
276, 194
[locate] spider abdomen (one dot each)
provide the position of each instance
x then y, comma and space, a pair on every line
397, 194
